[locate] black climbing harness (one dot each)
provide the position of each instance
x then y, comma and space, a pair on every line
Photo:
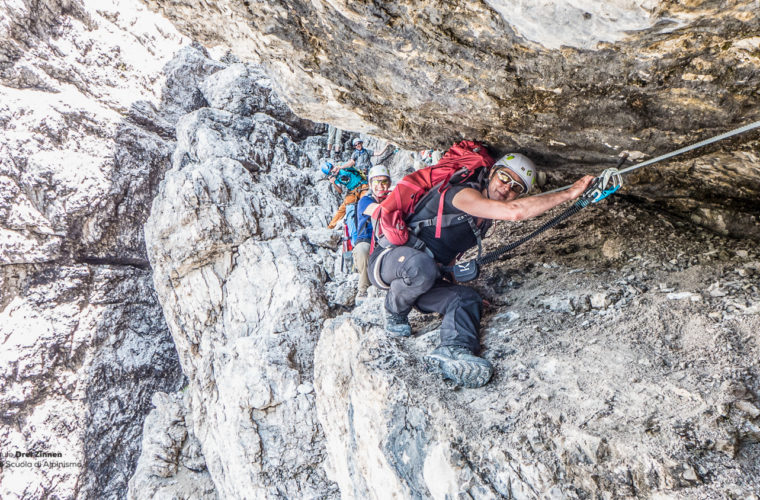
607, 183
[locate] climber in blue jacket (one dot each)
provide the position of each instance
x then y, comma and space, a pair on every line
379, 186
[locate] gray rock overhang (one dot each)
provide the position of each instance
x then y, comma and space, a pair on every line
648, 77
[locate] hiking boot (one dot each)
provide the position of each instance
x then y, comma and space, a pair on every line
360, 297
460, 365
397, 324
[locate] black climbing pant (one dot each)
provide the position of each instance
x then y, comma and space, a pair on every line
414, 280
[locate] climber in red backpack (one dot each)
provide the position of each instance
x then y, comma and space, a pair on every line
434, 215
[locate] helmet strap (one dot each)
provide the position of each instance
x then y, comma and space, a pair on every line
490, 175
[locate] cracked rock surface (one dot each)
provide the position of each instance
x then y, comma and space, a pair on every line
625, 352
83, 341
603, 334
171, 464
239, 253
624, 340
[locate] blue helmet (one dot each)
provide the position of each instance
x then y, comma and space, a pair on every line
327, 168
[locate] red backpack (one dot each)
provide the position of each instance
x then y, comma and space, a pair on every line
459, 164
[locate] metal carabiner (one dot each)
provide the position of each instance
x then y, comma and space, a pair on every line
608, 175
600, 188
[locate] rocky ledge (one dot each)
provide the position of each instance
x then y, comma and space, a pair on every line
625, 347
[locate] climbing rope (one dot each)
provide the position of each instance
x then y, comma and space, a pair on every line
601, 187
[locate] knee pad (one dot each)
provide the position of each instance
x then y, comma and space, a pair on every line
422, 270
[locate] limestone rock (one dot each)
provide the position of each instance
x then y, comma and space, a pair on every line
648, 396
612, 249
184, 74
240, 267
83, 341
553, 428
287, 394
229, 90
171, 464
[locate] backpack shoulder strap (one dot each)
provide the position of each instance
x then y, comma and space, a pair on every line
429, 215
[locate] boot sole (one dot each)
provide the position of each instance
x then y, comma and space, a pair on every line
465, 373
405, 333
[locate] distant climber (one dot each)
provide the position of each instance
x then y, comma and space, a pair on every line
334, 141
379, 187
355, 186
413, 276
361, 157
427, 157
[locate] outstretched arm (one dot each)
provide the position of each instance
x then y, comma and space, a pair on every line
383, 151
474, 203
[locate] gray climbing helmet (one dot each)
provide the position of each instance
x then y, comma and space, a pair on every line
521, 165
378, 171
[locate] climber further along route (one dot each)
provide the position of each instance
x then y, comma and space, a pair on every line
356, 187
361, 158
334, 141
379, 187
449, 207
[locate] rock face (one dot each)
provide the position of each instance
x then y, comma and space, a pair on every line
569, 83
171, 464
83, 341
624, 342
603, 334
621, 370
240, 261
